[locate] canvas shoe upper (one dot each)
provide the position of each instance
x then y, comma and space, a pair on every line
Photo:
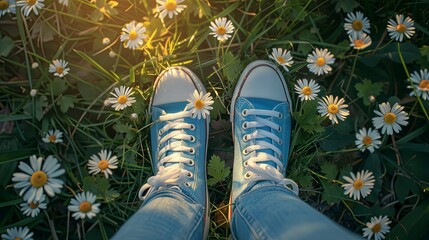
260, 113
179, 141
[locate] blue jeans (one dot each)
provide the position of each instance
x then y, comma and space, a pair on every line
264, 211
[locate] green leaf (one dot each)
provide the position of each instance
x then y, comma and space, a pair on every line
217, 170
58, 86
122, 128
99, 186
7, 45
332, 193
39, 104
88, 91
414, 225
373, 164
368, 89
404, 186
66, 102
329, 169
409, 52
345, 5
42, 30
232, 67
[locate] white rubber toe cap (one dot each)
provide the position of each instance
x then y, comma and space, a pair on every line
175, 84
261, 79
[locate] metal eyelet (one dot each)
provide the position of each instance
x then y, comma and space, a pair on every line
246, 163
189, 175
191, 162
192, 139
245, 138
244, 112
245, 152
280, 142
280, 116
159, 132
187, 184
247, 175
192, 127
192, 151
279, 129
244, 125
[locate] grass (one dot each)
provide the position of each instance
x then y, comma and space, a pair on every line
321, 153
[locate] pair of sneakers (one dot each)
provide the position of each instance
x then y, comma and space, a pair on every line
260, 116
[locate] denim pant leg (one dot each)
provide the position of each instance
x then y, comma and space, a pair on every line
167, 214
274, 212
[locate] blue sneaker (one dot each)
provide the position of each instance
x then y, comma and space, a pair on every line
179, 137
261, 125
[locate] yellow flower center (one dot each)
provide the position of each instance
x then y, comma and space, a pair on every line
306, 90
31, 2
4, 5
424, 85
320, 62
358, 184
60, 70
389, 118
333, 109
38, 179
359, 43
221, 30
133, 35
103, 164
376, 228
85, 207
18, 238
199, 104
52, 138
357, 25
367, 140
122, 99
170, 5
401, 28
33, 205
281, 59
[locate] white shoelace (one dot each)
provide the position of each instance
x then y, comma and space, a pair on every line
170, 167
257, 166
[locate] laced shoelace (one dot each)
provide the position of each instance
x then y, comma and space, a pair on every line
170, 167
257, 167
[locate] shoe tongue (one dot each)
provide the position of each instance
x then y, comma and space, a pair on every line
265, 104
170, 108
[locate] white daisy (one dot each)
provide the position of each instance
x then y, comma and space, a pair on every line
377, 227
401, 27
307, 90
333, 108
33, 208
64, 2
103, 163
22, 233
359, 185
356, 23
282, 58
122, 98
53, 136
169, 7
367, 139
390, 118
84, 206
221, 29
360, 40
199, 105
59, 67
30, 5
133, 35
319, 60
422, 82
7, 6
39, 178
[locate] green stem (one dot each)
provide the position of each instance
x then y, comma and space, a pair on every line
411, 82
353, 70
